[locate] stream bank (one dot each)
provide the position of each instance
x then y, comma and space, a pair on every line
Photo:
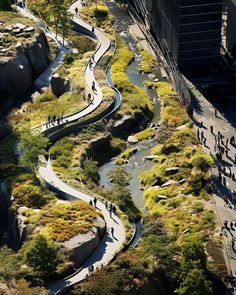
137, 163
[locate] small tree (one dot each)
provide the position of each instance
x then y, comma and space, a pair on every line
42, 255
193, 251
202, 161
194, 283
32, 145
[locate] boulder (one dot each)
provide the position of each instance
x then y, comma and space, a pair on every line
182, 181
82, 246
132, 139
59, 85
169, 182
172, 170
19, 70
150, 157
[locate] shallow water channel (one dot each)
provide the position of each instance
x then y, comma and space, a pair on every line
137, 162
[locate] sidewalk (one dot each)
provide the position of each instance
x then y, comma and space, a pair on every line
203, 111
108, 247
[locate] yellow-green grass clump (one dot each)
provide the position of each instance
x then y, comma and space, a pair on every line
99, 16
126, 155
62, 221
145, 134
76, 72
47, 104
172, 114
147, 61
135, 101
178, 202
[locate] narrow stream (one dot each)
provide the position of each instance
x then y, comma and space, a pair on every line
137, 162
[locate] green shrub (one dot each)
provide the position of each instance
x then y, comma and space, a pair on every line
198, 207
145, 134
202, 161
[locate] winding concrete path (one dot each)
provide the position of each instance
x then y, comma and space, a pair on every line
103, 46
44, 79
110, 245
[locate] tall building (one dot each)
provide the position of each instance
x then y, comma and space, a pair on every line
189, 29
231, 24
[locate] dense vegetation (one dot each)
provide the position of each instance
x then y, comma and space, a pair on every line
135, 101
178, 228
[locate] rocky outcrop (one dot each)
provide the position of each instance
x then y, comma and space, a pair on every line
82, 246
21, 65
96, 148
59, 85
128, 123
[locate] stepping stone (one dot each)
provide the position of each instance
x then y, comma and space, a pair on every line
132, 139
170, 182
172, 170
29, 29
8, 29
19, 26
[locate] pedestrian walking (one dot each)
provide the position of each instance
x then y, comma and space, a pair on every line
91, 202
220, 177
76, 10
95, 202
62, 117
112, 231
114, 209
232, 140
224, 181
110, 210
227, 142
58, 120
93, 29
202, 135
230, 172
211, 129
106, 205
54, 118
215, 112
233, 176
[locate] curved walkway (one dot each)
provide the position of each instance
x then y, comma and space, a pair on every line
110, 245
44, 79
104, 44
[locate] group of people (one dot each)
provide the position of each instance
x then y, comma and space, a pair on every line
53, 119
222, 146
111, 208
93, 202
88, 98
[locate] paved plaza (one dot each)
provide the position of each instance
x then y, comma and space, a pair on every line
217, 138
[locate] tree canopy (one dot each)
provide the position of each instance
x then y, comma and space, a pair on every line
42, 255
32, 145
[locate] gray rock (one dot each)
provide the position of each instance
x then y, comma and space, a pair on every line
18, 71
59, 85
172, 170
132, 139
82, 246
182, 181
170, 182
150, 157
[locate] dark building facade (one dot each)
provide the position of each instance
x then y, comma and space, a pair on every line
231, 24
189, 29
